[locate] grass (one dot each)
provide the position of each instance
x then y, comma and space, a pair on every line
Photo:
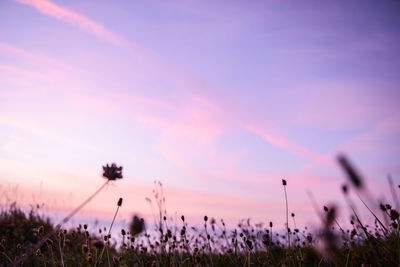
179, 244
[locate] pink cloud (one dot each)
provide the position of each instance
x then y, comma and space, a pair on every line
9, 49
68, 16
12, 70
290, 146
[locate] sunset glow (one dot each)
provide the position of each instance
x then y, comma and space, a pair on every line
217, 100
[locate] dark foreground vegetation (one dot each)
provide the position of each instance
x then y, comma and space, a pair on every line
29, 239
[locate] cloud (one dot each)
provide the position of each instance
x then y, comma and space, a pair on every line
12, 70
288, 145
73, 18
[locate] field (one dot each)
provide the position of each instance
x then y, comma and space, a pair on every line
28, 239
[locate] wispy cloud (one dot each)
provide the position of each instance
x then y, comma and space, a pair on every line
68, 16
288, 145
12, 70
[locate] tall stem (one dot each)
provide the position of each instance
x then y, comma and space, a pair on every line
66, 219
287, 216
109, 231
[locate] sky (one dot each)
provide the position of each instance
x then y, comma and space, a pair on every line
217, 100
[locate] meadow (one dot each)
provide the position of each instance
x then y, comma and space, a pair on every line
30, 239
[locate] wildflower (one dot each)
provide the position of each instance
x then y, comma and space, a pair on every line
205, 218
112, 172
284, 182
119, 202
183, 218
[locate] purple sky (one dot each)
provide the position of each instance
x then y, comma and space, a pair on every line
219, 100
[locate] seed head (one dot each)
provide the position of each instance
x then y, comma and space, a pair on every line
351, 172
97, 244
41, 230
119, 202
394, 215
136, 226
183, 218
205, 218
85, 249
112, 172
49, 242
344, 189
382, 207
284, 182
116, 259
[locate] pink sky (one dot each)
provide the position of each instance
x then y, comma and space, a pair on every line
218, 101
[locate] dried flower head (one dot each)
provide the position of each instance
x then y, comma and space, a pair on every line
284, 182
119, 202
112, 172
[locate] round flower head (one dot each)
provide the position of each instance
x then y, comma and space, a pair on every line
112, 172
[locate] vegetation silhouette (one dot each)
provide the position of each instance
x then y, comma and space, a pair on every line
179, 244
